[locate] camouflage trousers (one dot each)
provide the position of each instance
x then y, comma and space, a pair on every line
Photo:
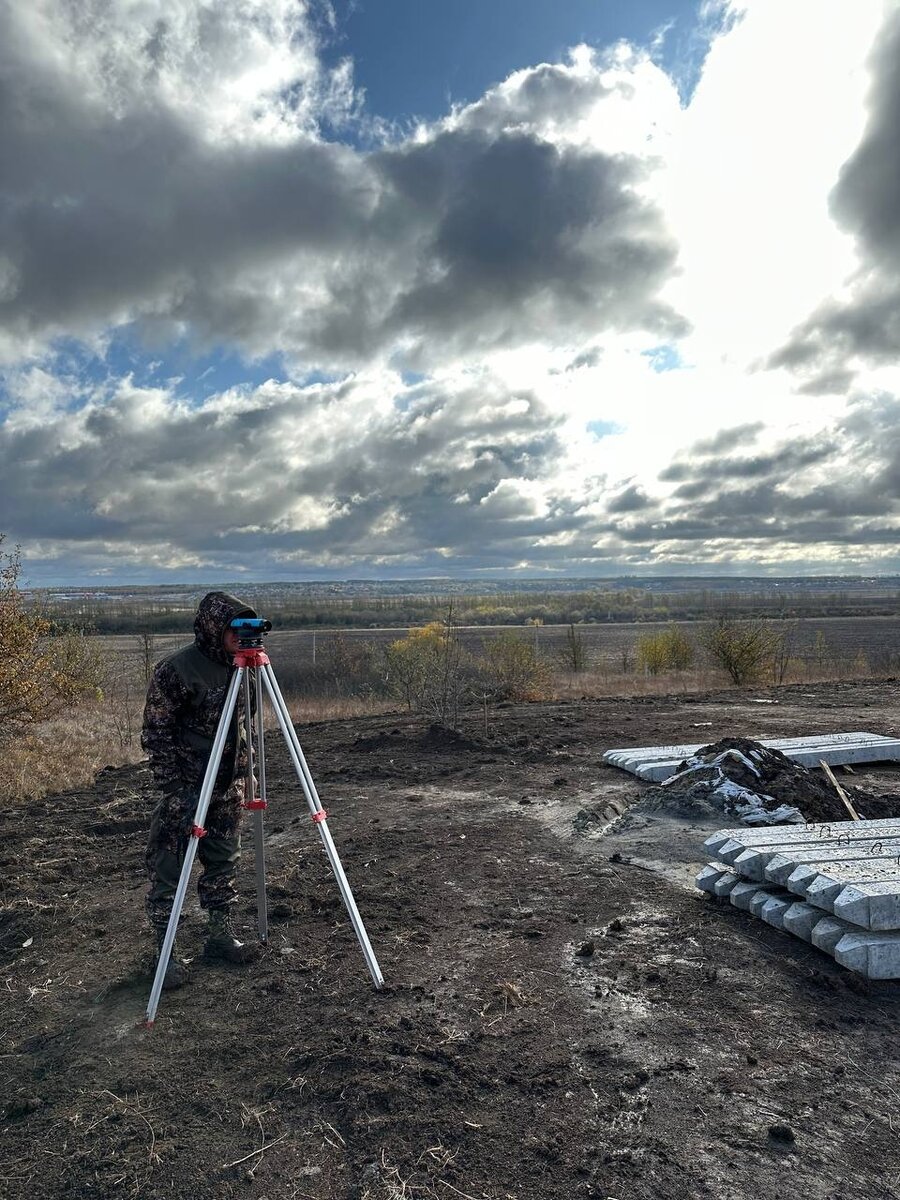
219, 851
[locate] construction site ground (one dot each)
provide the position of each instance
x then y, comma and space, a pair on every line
564, 1015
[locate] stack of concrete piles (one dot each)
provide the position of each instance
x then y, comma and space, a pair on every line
836, 885
658, 763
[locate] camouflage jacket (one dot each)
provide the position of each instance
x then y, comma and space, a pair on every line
185, 700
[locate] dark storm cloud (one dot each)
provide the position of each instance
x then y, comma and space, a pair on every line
842, 334
322, 475
119, 203
520, 237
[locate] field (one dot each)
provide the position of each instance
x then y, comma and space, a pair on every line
564, 1015
816, 642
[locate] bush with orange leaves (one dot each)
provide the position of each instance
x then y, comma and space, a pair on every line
43, 671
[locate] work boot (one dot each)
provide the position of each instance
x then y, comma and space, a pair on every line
175, 974
221, 942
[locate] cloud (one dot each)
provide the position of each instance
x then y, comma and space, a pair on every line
166, 165
837, 489
329, 474
536, 324
862, 325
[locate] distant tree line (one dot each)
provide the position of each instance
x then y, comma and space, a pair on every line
595, 607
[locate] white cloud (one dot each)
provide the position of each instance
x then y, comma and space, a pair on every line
778, 109
539, 256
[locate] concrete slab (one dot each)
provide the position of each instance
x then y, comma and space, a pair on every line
774, 908
827, 933
881, 855
710, 875
850, 869
830, 879
725, 884
658, 763
741, 895
717, 880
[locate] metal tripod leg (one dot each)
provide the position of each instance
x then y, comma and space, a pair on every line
257, 804
319, 816
209, 779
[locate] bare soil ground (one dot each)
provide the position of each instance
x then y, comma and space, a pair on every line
564, 1016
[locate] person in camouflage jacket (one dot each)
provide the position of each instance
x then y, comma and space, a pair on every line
184, 704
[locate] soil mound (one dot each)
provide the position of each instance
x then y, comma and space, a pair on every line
757, 785
441, 737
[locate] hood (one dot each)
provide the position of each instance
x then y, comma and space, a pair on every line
214, 613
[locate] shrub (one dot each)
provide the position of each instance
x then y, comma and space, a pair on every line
425, 669
669, 650
514, 670
745, 649
43, 670
574, 651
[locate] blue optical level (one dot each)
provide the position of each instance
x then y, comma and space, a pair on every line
250, 631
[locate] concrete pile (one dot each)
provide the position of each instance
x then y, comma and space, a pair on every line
835, 884
656, 763
743, 780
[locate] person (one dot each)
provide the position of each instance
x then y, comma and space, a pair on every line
185, 699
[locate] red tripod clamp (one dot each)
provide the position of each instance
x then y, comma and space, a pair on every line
319, 816
253, 805
198, 831
250, 658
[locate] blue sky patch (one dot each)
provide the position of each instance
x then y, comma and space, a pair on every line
602, 429
427, 55
201, 375
663, 358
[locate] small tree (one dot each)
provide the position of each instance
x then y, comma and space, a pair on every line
42, 671
349, 665
147, 653
783, 649
514, 670
574, 651
669, 650
426, 669
745, 649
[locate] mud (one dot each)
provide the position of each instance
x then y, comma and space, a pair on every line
564, 1014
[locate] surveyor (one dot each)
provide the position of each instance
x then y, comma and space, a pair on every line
184, 705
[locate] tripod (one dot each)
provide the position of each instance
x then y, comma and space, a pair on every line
253, 668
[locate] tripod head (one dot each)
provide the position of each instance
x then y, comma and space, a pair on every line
250, 631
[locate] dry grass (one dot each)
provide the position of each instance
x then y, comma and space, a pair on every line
304, 710
64, 753
68, 751
600, 684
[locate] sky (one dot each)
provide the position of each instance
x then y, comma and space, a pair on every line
292, 289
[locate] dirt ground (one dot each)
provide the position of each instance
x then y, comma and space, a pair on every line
564, 1014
